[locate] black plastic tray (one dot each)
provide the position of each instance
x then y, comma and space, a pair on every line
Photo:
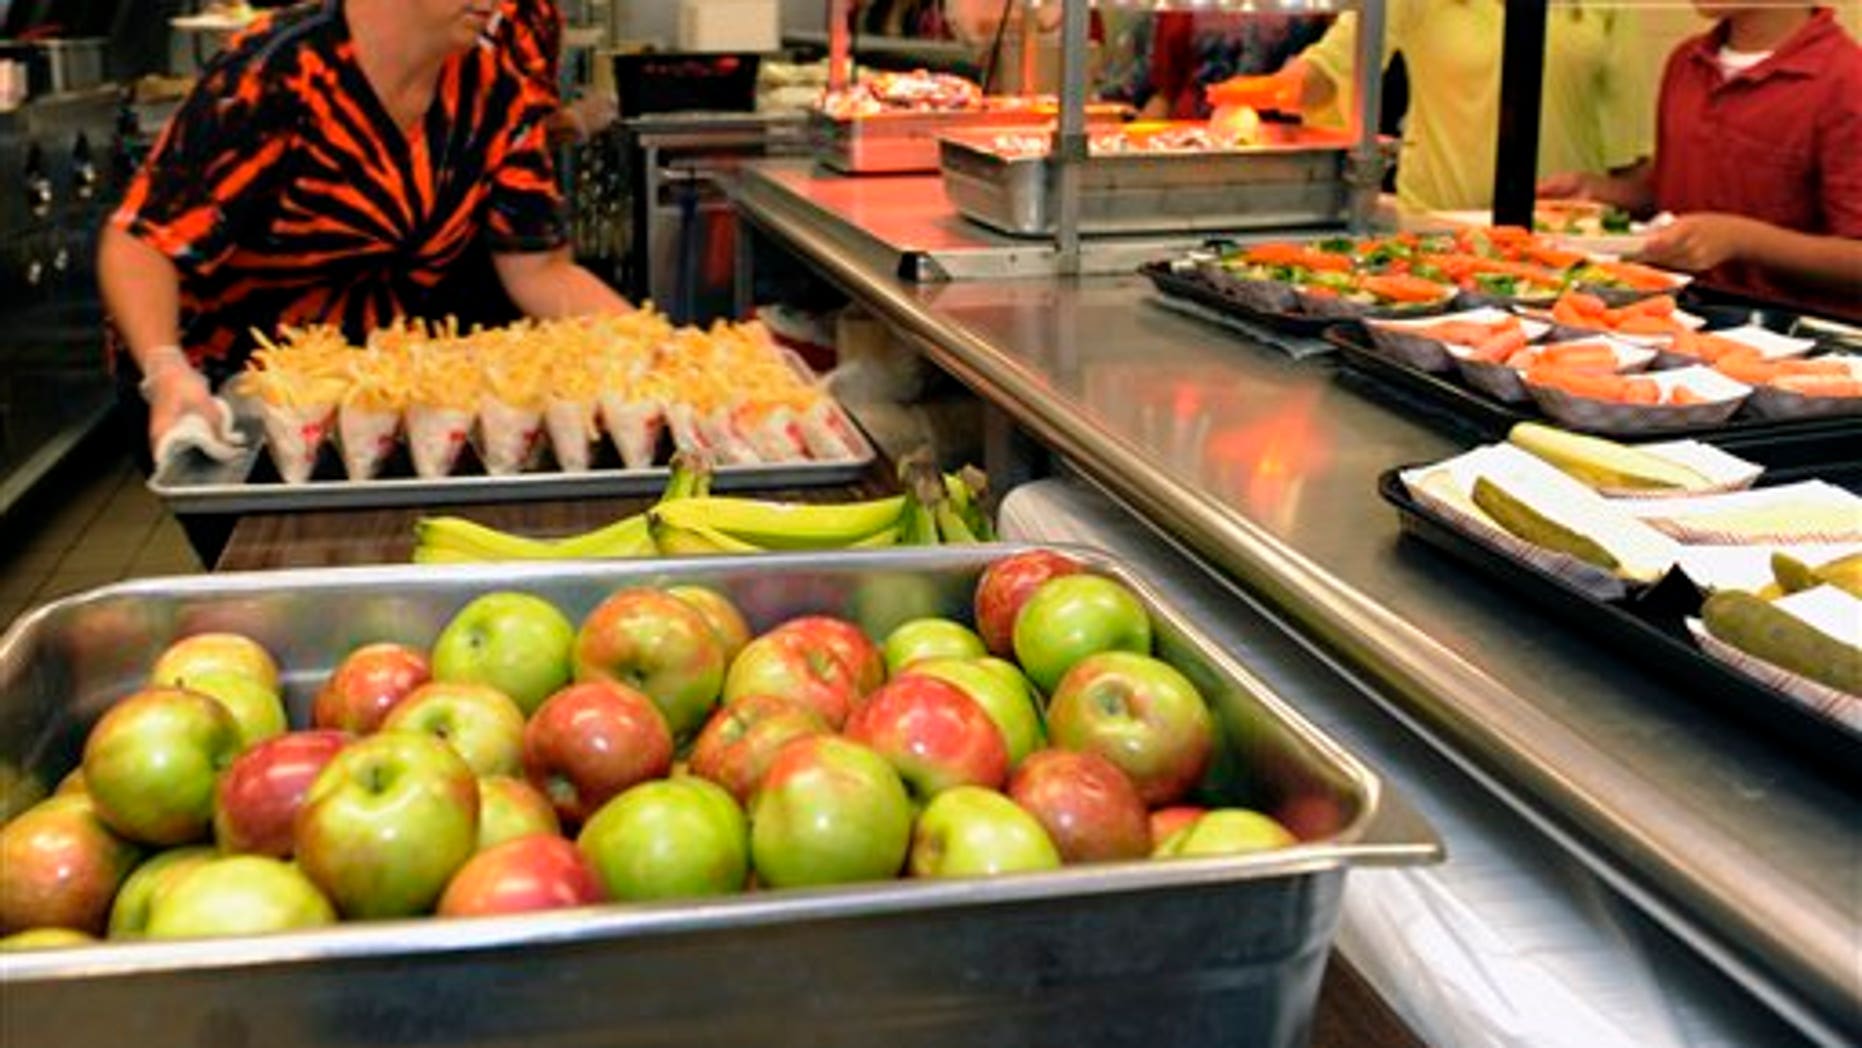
1787, 448
1650, 626
1170, 282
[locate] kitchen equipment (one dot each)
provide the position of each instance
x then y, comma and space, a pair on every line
1223, 951
905, 141
1295, 178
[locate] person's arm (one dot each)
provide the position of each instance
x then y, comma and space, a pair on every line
1631, 189
549, 284
142, 292
1700, 242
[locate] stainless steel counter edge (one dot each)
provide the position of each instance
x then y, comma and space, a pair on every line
1691, 875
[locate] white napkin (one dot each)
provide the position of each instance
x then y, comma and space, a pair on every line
218, 439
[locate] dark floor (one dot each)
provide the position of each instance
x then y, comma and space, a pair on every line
93, 523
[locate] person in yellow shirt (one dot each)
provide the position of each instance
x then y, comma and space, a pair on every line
1597, 115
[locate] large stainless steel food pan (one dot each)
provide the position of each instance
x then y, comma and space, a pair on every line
1225, 951
907, 143
1299, 181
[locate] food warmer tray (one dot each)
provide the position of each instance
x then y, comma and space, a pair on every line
1788, 448
1650, 627
896, 143
192, 483
1226, 951
1297, 179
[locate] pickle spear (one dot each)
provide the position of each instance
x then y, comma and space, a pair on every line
1793, 575
1605, 463
1845, 573
1534, 527
1780, 638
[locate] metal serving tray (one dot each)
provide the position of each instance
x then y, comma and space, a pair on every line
1224, 951
192, 483
906, 142
1298, 180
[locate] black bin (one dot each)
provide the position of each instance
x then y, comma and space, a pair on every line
675, 82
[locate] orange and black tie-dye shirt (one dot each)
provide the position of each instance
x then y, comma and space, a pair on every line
532, 31
285, 194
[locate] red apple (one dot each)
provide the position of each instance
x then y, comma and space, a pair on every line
737, 746
388, 823
478, 721
1167, 821
1140, 714
845, 639
1006, 586
152, 762
1003, 693
214, 653
934, 735
589, 742
511, 808
658, 645
795, 667
60, 867
722, 615
256, 803
830, 811
1074, 616
366, 685
1088, 807
522, 875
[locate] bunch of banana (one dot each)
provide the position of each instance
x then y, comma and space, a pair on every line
936, 509
688, 521
456, 540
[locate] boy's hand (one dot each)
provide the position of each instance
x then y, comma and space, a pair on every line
1697, 243
1571, 185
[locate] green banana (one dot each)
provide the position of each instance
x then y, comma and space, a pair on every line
629, 536
676, 540
785, 525
951, 528
880, 539
975, 484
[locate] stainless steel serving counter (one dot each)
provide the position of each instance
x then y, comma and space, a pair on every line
1267, 469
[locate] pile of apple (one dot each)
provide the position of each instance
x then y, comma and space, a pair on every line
655, 752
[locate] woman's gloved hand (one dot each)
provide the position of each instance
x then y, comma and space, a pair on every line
174, 390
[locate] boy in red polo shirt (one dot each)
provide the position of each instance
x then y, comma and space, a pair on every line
1759, 153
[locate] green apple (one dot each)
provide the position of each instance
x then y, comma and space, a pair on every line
969, 831
1003, 693
129, 915
478, 721
678, 838
514, 642
238, 895
205, 653
1226, 831
1142, 715
45, 939
830, 811
257, 710
152, 763
511, 808
922, 639
1072, 616
387, 823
